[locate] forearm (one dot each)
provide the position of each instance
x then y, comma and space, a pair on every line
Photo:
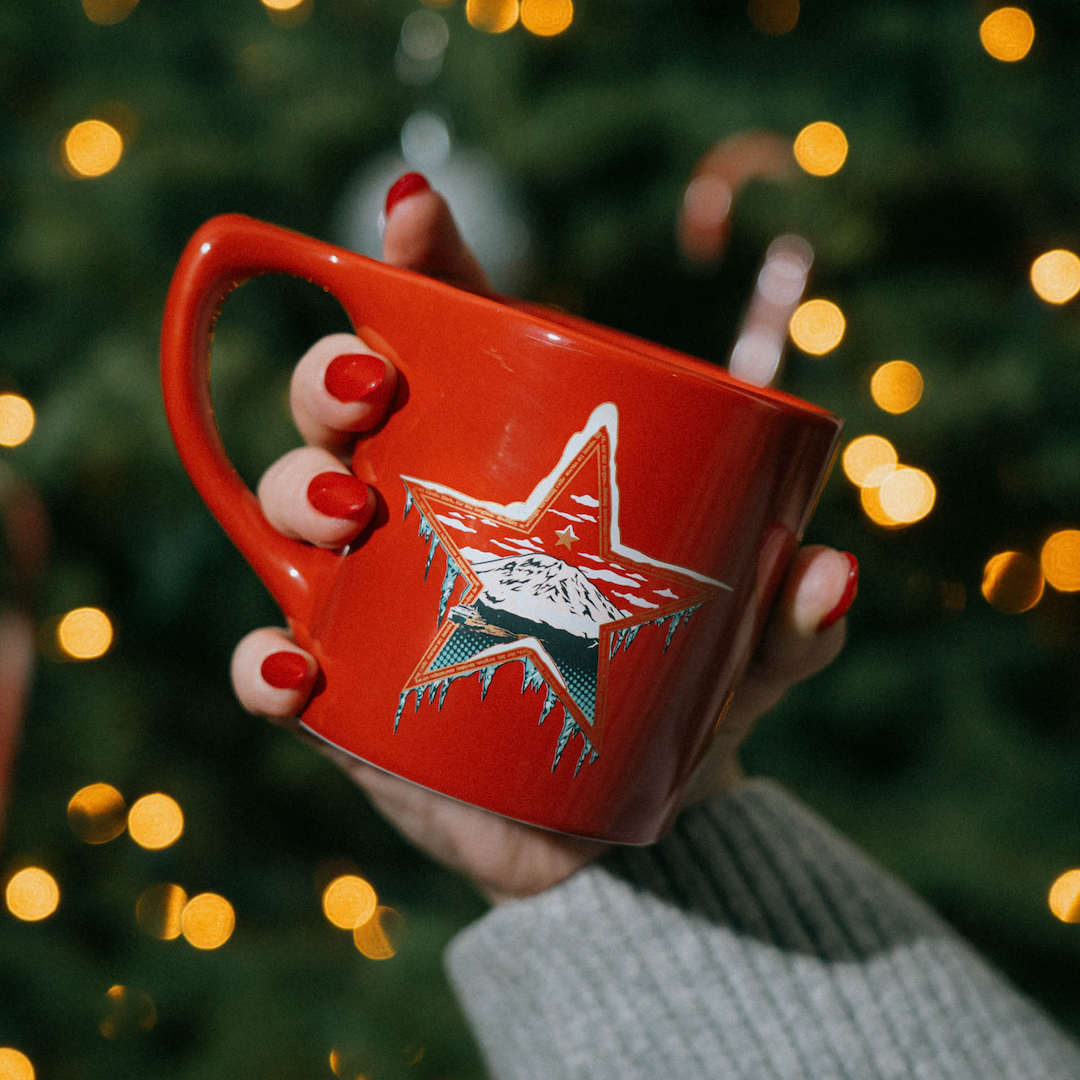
752, 942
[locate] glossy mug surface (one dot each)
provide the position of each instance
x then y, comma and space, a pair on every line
578, 537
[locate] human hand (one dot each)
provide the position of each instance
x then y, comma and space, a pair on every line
341, 387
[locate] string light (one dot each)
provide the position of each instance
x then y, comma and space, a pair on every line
817, 326
16, 420
1060, 560
492, 16
1065, 897
773, 16
32, 894
92, 148
546, 18
15, 1065
126, 1011
376, 937
896, 386
1007, 34
159, 909
868, 460
821, 148
1055, 276
1012, 582
348, 901
155, 821
107, 13
85, 633
97, 813
207, 921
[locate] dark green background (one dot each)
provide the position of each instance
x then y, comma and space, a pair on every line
945, 742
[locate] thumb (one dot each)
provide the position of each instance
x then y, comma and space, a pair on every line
421, 235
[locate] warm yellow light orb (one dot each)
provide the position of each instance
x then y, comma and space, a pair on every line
1007, 34
870, 501
127, 1011
1065, 897
773, 16
208, 921
97, 813
1012, 582
868, 460
817, 326
16, 421
492, 16
348, 901
155, 821
15, 1065
546, 18
282, 5
92, 148
896, 386
1055, 276
1060, 560
32, 894
907, 495
159, 909
821, 148
85, 633
377, 938
107, 13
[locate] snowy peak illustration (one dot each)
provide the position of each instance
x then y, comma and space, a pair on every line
548, 584
544, 590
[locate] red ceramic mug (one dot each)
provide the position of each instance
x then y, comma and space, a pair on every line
578, 538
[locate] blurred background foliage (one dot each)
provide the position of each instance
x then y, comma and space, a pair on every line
946, 740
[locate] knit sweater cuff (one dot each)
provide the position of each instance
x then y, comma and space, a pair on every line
753, 941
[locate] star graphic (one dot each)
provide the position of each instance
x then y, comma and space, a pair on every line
566, 537
546, 583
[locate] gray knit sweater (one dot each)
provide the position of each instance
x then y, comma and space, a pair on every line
753, 943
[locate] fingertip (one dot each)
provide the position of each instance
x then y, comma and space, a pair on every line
821, 587
271, 675
847, 595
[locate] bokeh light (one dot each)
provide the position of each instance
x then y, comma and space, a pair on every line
92, 148
1055, 276
127, 1012
1007, 34
1065, 897
817, 326
377, 938
282, 5
868, 460
108, 12
159, 909
155, 821
15, 1065
546, 18
896, 386
870, 501
821, 148
1012, 582
288, 12
16, 420
32, 894
773, 16
907, 495
97, 813
1060, 560
348, 901
492, 16
207, 921
85, 633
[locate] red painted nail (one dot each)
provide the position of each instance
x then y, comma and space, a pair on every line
339, 495
846, 597
354, 377
285, 670
412, 183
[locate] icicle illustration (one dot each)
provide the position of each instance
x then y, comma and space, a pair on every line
444, 685
402, 699
453, 572
486, 674
549, 703
569, 727
584, 754
617, 643
672, 627
408, 502
531, 679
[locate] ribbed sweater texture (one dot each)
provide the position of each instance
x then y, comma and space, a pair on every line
752, 943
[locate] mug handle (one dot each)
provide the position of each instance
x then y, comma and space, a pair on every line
222, 254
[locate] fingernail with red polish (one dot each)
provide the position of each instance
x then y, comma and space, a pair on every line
339, 495
846, 597
354, 377
285, 670
411, 183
